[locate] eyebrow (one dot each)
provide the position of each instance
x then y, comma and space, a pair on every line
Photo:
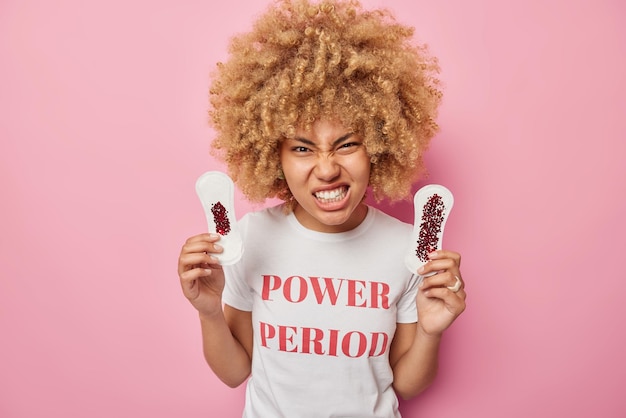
334, 144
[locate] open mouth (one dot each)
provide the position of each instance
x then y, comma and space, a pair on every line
330, 196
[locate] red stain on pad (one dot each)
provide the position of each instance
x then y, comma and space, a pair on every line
432, 219
220, 216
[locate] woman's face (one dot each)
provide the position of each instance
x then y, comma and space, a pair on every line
327, 170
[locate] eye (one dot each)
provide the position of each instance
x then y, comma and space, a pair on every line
300, 149
348, 147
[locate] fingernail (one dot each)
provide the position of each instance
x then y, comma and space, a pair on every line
432, 255
218, 247
421, 270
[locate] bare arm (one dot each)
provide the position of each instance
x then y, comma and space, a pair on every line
227, 344
414, 353
414, 359
226, 332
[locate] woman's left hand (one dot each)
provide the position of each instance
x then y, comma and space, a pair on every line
440, 299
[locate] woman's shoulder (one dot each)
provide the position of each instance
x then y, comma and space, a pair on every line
386, 221
273, 215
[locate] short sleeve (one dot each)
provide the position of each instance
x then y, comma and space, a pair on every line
237, 293
407, 305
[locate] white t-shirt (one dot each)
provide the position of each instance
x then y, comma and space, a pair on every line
324, 312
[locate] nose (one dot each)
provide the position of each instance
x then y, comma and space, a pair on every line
326, 168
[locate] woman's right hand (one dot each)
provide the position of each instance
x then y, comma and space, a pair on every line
201, 275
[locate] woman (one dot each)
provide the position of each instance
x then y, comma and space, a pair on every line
316, 104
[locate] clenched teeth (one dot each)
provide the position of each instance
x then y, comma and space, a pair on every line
328, 196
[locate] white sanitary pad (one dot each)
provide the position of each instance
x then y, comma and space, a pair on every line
217, 194
432, 205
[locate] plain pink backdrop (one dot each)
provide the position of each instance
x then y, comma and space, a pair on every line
103, 129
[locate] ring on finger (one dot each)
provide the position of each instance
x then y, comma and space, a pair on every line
457, 285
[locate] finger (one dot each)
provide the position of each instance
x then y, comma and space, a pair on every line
189, 276
455, 302
190, 261
436, 266
440, 254
189, 281
442, 279
202, 247
450, 284
207, 236
202, 243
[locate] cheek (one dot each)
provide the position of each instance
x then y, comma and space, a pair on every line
363, 167
293, 174
291, 169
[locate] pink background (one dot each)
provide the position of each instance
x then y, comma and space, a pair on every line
103, 129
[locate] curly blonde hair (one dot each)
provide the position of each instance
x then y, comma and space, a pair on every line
303, 61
